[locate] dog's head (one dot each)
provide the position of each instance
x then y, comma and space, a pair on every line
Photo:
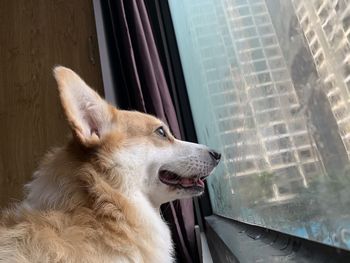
133, 145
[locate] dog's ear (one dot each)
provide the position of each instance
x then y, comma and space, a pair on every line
87, 113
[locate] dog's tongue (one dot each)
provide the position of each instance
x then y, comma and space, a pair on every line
173, 179
189, 182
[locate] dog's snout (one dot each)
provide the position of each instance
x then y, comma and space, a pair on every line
215, 155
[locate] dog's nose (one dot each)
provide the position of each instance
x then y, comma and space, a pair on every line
215, 155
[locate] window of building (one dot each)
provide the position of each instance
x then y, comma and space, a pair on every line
260, 66
240, 2
243, 11
246, 33
346, 69
268, 41
305, 154
261, 19
258, 9
276, 63
346, 23
324, 13
245, 21
264, 118
305, 22
315, 47
310, 35
272, 52
256, 54
319, 59
280, 75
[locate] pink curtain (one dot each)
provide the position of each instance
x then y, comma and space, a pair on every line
148, 92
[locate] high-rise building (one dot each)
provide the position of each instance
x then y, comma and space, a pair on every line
326, 26
252, 94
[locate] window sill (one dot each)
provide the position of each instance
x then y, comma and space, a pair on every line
233, 241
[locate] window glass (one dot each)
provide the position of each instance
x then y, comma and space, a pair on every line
268, 83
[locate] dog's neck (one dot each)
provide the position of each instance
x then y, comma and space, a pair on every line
67, 184
65, 181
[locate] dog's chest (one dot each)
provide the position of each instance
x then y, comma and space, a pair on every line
159, 236
163, 248
155, 235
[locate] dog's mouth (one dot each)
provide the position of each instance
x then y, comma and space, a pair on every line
188, 183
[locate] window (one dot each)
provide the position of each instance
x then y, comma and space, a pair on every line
261, 19
268, 41
258, 9
276, 63
310, 35
246, 33
243, 11
272, 52
265, 30
346, 23
280, 121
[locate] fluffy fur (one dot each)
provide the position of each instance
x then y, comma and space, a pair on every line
97, 199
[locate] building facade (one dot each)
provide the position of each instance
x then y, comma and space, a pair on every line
253, 97
326, 26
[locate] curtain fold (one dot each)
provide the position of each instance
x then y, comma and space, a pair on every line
148, 92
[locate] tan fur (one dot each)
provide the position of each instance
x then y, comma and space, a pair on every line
82, 205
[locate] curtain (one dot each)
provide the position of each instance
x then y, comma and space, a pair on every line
148, 91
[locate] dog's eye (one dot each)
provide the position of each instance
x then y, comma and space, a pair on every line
160, 131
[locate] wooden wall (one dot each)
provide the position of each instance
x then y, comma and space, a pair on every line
35, 35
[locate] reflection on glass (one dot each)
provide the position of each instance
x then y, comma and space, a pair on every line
269, 86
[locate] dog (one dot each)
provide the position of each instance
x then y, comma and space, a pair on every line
98, 198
